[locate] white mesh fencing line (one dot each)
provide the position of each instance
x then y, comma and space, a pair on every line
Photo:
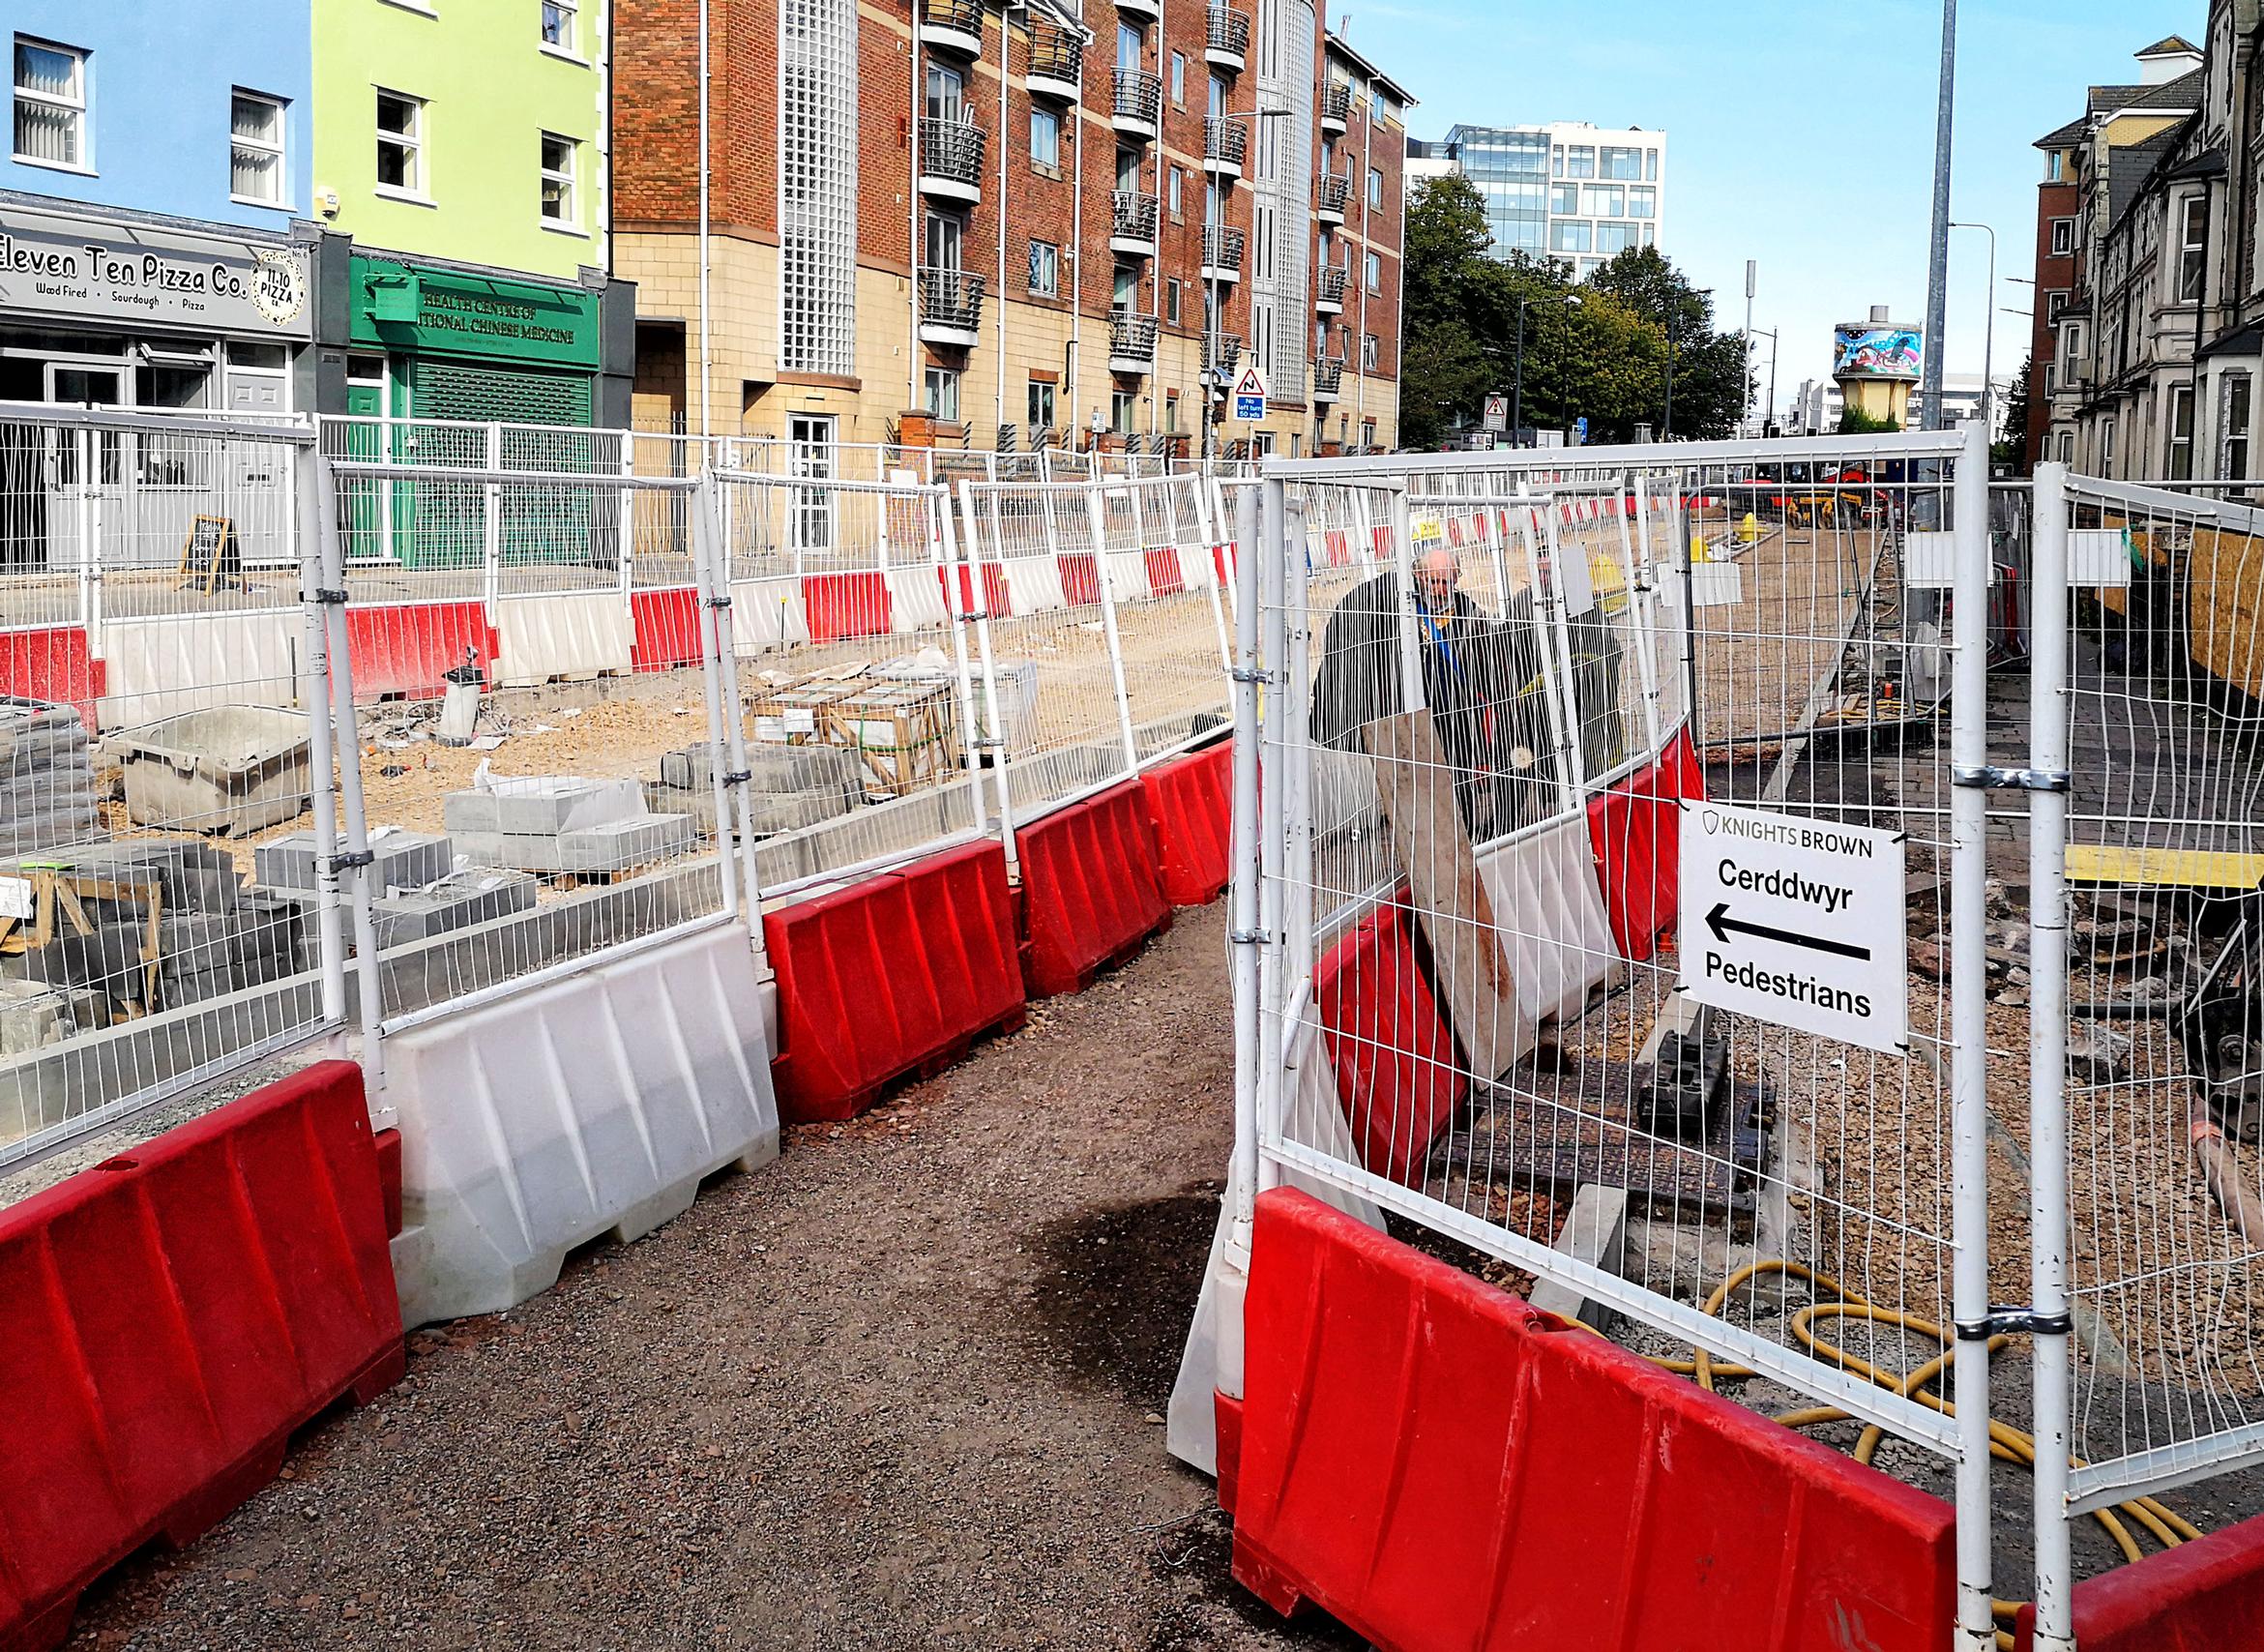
154, 594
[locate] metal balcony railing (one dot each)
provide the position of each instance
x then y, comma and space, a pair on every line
1056, 55
1226, 140
1334, 190
1228, 33
957, 17
1131, 337
1132, 216
952, 149
1332, 282
1222, 247
950, 298
1223, 353
1335, 104
1140, 96
1328, 377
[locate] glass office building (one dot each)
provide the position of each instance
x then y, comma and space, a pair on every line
1565, 190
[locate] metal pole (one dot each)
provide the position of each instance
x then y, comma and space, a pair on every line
704, 361
1969, 1040
2048, 1055
1518, 392
712, 596
1245, 935
1294, 692
1744, 389
1989, 335
1003, 762
958, 601
1411, 694
314, 695
1937, 275
1274, 831
1094, 515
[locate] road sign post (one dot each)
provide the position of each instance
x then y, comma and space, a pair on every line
1796, 921
1250, 394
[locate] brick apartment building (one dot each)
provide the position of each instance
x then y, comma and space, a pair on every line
1023, 239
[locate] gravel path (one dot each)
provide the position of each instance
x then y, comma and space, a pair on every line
902, 1389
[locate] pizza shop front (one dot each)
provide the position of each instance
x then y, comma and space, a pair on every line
154, 314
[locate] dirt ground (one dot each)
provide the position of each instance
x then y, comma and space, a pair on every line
901, 1388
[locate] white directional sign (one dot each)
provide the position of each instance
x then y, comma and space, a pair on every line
1797, 920
1496, 413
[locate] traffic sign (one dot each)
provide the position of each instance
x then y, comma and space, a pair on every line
1797, 920
1497, 412
1580, 432
1250, 393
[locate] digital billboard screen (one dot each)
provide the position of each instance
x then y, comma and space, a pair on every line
1868, 349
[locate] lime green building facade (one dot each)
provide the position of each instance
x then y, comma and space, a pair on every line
460, 162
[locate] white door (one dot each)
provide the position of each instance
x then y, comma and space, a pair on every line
810, 455
86, 469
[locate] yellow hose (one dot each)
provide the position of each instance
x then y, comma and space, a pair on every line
2006, 1443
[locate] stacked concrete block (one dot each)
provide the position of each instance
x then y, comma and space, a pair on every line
561, 823
47, 776
790, 787
404, 860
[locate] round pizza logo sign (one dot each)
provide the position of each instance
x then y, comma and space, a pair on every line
279, 286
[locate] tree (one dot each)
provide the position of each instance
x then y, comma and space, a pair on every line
1712, 388
1855, 421
1443, 369
2012, 452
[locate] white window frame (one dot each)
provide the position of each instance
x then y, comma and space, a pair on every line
2192, 244
2062, 238
1053, 264
567, 222
1371, 352
82, 107
1375, 188
413, 143
936, 385
279, 149
1372, 272
570, 11
1046, 163
2181, 399
1048, 391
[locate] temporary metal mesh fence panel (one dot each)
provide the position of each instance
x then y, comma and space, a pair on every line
1477, 1009
163, 718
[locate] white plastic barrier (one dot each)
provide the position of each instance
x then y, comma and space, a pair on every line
916, 600
157, 667
1551, 917
767, 615
1033, 583
562, 633
575, 1108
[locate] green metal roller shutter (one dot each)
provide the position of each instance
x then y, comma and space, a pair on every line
542, 528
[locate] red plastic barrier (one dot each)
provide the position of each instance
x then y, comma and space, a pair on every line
406, 648
1090, 893
1437, 1463
1634, 830
2204, 1596
51, 663
1191, 805
666, 631
172, 1316
1165, 577
891, 976
1396, 1072
1080, 578
1222, 562
998, 600
837, 605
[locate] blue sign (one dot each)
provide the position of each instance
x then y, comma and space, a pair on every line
1251, 407
1580, 431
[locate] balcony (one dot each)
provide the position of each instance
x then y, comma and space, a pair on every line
1139, 100
1057, 63
951, 159
1152, 10
953, 25
1336, 107
1221, 254
1132, 343
1132, 224
1329, 296
1223, 356
1327, 205
1226, 147
951, 307
1226, 43
1328, 378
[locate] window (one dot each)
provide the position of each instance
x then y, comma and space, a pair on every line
1579, 160
1124, 407
2055, 167
1643, 202
1556, 160
1375, 273
1375, 188
1124, 293
50, 104
1367, 433
1371, 352
2053, 304
1179, 78
400, 143
1650, 165
1130, 46
1044, 269
2235, 424
1171, 302
2051, 377
940, 395
947, 238
2192, 250
2063, 237
558, 180
1564, 198
1612, 238
558, 24
2067, 447
947, 92
1622, 164
1172, 412
2181, 432
2107, 447
255, 149
1177, 178
1044, 139
1040, 404
1218, 106
1569, 235
1603, 200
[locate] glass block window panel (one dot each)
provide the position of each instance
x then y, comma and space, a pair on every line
817, 185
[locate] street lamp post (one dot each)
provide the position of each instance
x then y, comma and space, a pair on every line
1569, 301
1769, 412
1988, 336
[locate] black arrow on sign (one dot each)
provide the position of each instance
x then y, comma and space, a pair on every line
1721, 923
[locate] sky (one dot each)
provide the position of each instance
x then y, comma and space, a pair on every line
1798, 135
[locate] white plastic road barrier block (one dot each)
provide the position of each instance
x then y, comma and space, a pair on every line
1212, 1360
1551, 919
767, 615
562, 633
915, 599
577, 1108
160, 667
1034, 583
1128, 573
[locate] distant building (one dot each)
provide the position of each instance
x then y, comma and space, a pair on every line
1815, 406
1565, 189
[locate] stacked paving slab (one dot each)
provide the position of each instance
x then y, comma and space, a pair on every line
562, 823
